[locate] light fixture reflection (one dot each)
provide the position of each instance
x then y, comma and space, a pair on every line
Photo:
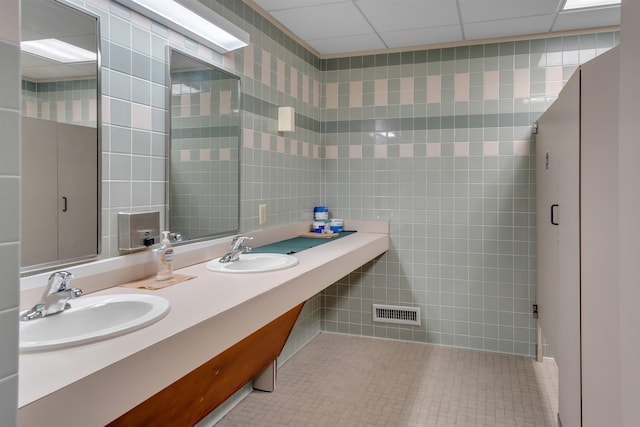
389, 134
183, 89
195, 21
580, 4
57, 50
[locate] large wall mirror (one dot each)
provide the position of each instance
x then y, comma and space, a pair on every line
204, 145
60, 195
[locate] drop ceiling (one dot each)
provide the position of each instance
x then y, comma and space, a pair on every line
340, 27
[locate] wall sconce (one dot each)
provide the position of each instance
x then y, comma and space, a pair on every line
286, 119
194, 20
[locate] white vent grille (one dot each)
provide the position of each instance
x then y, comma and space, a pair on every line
395, 314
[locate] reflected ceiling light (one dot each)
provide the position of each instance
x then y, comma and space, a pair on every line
580, 4
57, 50
194, 20
183, 89
384, 134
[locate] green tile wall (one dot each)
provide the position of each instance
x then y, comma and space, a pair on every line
9, 210
204, 154
71, 101
439, 143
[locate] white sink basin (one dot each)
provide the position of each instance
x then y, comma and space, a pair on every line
92, 319
254, 263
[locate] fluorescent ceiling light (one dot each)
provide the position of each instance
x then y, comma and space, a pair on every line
57, 50
580, 4
195, 21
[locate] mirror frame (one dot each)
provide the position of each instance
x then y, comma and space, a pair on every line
170, 50
39, 268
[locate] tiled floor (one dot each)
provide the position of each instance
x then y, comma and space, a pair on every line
342, 380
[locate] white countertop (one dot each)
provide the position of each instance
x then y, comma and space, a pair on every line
95, 383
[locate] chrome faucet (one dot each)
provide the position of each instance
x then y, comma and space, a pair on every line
55, 297
236, 249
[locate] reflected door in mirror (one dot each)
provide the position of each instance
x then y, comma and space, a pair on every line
58, 191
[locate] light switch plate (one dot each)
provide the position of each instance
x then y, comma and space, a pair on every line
262, 213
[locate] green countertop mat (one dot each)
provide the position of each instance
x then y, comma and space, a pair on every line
297, 244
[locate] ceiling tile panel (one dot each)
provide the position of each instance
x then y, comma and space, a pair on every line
330, 20
576, 19
344, 26
408, 14
422, 36
360, 43
508, 27
492, 10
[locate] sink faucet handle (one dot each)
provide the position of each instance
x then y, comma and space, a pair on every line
55, 296
58, 281
238, 241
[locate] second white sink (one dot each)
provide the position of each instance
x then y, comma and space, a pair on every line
254, 263
92, 319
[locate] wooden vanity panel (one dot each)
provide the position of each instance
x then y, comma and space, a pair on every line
191, 398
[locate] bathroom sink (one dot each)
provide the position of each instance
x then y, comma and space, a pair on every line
254, 263
92, 319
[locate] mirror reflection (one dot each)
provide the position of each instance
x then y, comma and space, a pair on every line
60, 135
204, 143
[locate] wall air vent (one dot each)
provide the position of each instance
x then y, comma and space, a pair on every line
395, 314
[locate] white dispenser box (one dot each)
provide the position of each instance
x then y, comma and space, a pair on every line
286, 119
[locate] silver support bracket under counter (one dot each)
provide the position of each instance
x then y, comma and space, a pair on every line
266, 380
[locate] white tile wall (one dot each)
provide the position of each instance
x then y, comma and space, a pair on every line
9, 400
9, 21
